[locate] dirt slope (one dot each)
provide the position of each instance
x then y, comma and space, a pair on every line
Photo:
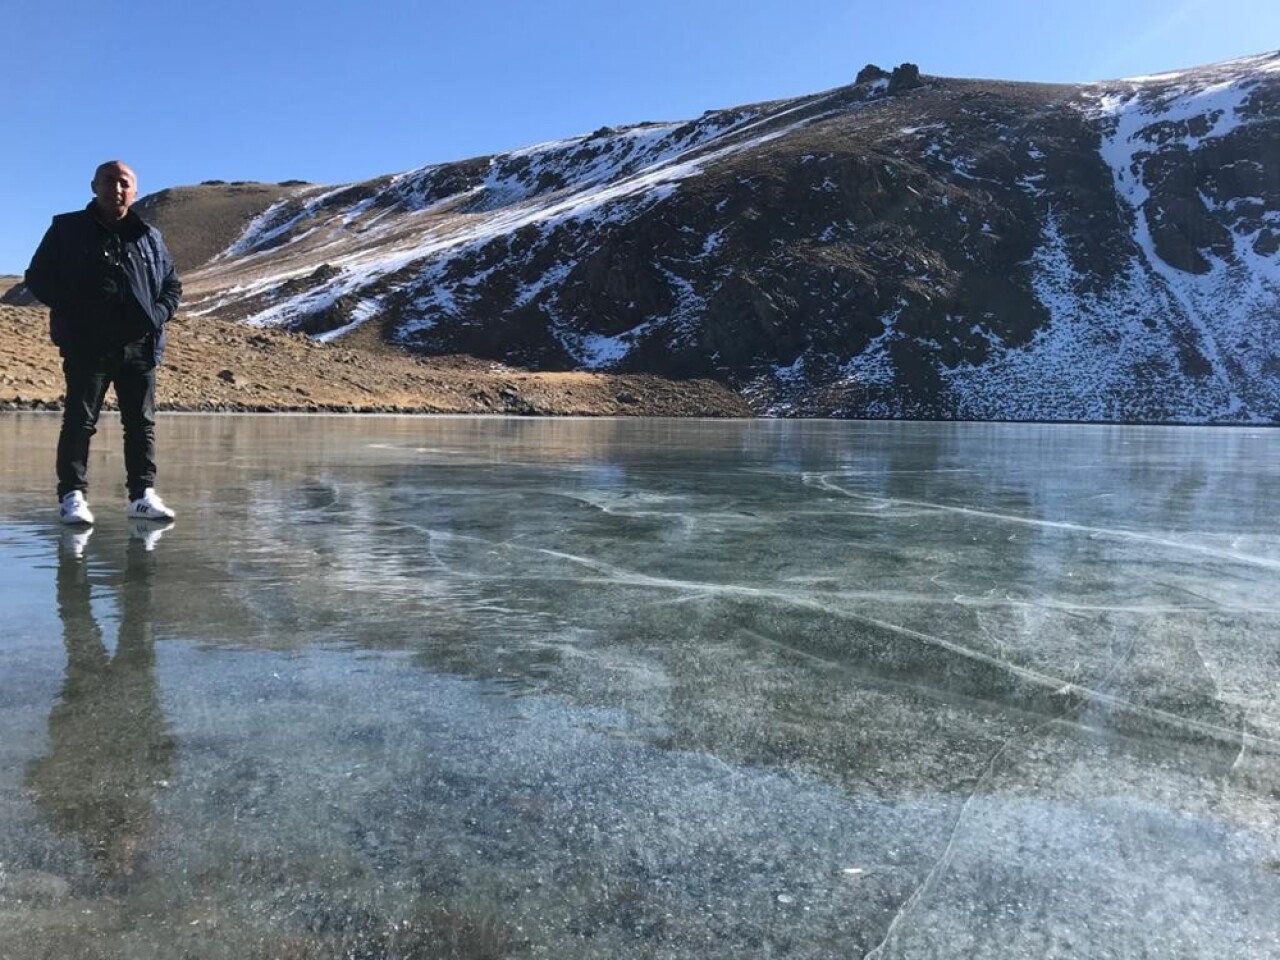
219, 366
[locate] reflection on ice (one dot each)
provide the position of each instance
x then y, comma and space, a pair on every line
108, 742
420, 687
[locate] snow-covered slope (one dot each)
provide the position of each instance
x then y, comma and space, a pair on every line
1187, 326
957, 249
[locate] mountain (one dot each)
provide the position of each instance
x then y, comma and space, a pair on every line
904, 246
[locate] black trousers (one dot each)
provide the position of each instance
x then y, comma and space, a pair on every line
131, 369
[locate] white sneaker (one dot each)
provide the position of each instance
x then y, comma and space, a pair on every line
149, 506
75, 509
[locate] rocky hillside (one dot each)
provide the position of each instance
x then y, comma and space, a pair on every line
904, 246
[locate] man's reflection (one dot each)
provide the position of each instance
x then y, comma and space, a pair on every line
109, 742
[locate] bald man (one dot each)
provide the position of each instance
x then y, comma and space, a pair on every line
110, 285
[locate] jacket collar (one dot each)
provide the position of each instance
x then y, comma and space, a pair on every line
133, 227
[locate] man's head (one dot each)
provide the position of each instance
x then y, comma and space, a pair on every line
115, 187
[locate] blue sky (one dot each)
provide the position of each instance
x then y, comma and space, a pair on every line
335, 92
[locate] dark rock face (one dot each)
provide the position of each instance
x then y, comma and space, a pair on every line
870, 74
905, 76
901, 247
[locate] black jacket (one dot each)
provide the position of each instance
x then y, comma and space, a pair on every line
88, 275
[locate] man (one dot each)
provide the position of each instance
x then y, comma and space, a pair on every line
110, 285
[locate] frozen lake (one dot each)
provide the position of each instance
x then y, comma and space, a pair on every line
482, 688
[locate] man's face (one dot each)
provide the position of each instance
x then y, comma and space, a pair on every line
114, 189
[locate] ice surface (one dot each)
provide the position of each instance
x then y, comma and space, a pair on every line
623, 688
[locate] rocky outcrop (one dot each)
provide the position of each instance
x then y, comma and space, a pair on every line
905, 76
870, 74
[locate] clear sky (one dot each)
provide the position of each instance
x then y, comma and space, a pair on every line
334, 92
